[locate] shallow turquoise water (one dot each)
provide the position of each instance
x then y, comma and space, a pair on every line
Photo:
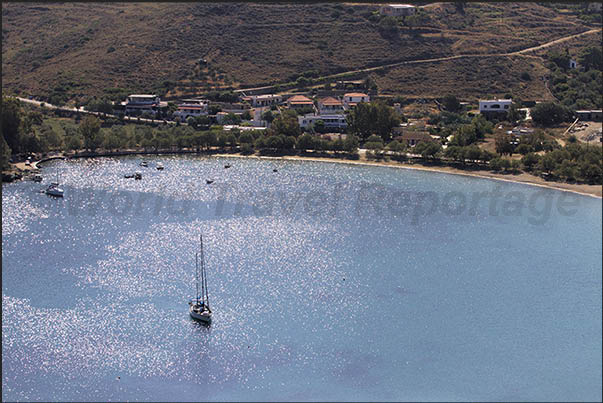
327, 281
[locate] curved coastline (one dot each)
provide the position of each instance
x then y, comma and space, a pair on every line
441, 170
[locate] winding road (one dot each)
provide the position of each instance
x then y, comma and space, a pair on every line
521, 53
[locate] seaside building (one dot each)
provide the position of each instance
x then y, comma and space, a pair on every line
142, 103
192, 108
331, 121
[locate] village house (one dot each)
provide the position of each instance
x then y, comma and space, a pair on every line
263, 100
334, 121
412, 138
398, 10
351, 99
142, 103
494, 106
594, 115
330, 105
300, 102
192, 108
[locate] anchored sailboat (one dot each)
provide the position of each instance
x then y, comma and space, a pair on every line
199, 307
54, 188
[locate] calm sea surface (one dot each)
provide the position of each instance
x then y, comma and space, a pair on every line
327, 282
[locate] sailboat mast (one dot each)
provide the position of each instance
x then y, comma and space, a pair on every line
202, 268
197, 275
203, 275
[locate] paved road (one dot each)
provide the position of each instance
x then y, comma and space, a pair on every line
82, 110
522, 53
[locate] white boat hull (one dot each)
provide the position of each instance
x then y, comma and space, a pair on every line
56, 192
203, 316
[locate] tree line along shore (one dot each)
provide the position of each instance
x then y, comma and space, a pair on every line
31, 133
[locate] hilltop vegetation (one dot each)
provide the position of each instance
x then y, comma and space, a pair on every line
70, 50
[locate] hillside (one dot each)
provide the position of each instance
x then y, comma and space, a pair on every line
78, 50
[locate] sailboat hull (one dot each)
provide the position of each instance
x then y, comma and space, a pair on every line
203, 316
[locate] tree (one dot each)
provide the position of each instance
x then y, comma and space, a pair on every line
268, 116
530, 160
305, 142
350, 144
472, 153
4, 154
231, 119
12, 119
591, 58
286, 124
319, 126
524, 149
365, 119
90, 130
428, 149
451, 103
388, 27
515, 114
550, 113
503, 144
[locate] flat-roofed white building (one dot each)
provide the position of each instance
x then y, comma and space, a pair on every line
192, 108
495, 105
353, 98
141, 103
398, 10
263, 100
333, 121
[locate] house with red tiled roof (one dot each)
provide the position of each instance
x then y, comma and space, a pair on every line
330, 105
352, 98
300, 102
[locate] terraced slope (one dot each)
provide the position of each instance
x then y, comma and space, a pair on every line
106, 48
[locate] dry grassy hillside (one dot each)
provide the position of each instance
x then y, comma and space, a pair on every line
100, 48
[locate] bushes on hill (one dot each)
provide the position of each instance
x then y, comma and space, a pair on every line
550, 113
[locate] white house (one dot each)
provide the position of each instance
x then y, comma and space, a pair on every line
192, 108
495, 105
398, 10
333, 121
330, 105
352, 98
263, 100
141, 103
573, 64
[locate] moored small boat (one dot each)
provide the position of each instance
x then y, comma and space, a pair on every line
138, 175
159, 166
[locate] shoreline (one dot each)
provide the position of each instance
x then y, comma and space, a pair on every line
595, 191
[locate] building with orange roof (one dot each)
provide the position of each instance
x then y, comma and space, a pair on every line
330, 105
300, 102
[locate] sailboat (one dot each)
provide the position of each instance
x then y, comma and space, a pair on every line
54, 189
199, 307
